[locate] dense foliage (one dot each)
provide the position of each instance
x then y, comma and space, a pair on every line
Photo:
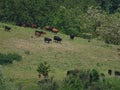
82, 17
43, 69
83, 80
9, 58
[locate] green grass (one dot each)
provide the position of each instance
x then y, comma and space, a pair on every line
78, 53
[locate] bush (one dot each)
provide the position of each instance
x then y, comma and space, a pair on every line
71, 83
48, 84
101, 85
27, 52
8, 58
94, 76
87, 77
14, 56
43, 69
4, 59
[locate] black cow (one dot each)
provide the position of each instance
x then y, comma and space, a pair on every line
117, 73
46, 39
57, 39
7, 28
73, 72
110, 72
72, 36
102, 75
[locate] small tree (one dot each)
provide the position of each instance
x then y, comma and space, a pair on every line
94, 76
43, 69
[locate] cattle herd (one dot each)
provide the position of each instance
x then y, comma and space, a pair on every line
58, 40
31, 25
116, 73
76, 72
38, 33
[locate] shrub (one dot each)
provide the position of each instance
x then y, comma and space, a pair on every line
27, 52
101, 85
71, 83
87, 77
48, 84
43, 69
4, 59
14, 56
8, 58
94, 76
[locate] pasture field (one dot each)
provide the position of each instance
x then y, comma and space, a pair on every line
70, 54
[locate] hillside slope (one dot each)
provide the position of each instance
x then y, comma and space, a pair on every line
70, 54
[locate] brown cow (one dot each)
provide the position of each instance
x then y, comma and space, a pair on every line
34, 25
38, 33
55, 30
118, 49
48, 28
52, 29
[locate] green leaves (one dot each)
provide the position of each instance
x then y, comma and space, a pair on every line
9, 58
43, 69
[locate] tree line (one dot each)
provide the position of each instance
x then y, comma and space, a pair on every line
86, 18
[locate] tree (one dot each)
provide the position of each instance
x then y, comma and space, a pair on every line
109, 31
43, 69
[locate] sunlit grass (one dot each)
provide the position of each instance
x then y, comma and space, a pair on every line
70, 54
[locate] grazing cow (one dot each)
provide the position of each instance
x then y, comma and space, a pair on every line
117, 73
118, 49
72, 36
57, 39
39, 75
37, 33
102, 75
42, 32
46, 39
19, 24
119, 53
110, 72
34, 25
7, 28
54, 30
73, 72
48, 28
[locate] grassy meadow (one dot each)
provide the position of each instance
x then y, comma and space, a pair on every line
70, 54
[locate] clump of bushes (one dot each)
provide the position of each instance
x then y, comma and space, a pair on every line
27, 52
9, 58
80, 80
48, 84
